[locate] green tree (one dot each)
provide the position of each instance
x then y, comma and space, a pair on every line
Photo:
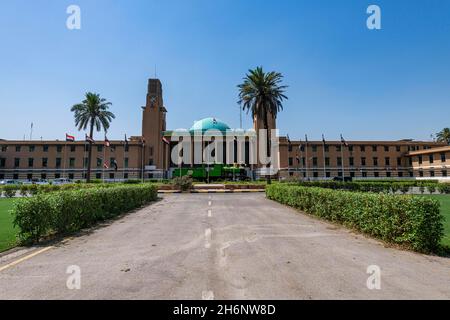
262, 95
443, 135
93, 112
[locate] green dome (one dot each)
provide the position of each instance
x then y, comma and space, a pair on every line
209, 124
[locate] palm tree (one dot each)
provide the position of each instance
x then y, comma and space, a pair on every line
92, 112
443, 136
262, 94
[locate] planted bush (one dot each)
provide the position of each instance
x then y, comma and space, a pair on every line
411, 221
183, 183
73, 210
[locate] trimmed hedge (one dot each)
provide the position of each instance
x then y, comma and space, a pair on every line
73, 210
377, 186
411, 221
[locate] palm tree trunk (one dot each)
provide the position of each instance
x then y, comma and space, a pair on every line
269, 151
91, 133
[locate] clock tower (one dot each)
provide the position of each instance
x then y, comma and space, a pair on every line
153, 125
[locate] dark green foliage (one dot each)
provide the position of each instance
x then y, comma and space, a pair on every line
73, 210
413, 222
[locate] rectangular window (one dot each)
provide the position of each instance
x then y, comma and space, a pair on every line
327, 161
411, 174
18, 148
315, 174
125, 175
351, 161
127, 147
363, 148
30, 162
290, 162
386, 148
16, 162
98, 175
314, 148
374, 148
388, 174
151, 152
431, 173
45, 148
57, 175
58, 163
99, 162
350, 148
72, 148
397, 148
29, 176
410, 161
375, 161
315, 161
111, 175
339, 161
443, 159
444, 173
59, 149
32, 148
387, 161
376, 174
399, 162
363, 161
420, 160
327, 148
400, 174
338, 148
43, 176
352, 174
2, 176
328, 174
44, 162
100, 148
2, 162
364, 174
72, 162
290, 147
71, 176
431, 158
420, 173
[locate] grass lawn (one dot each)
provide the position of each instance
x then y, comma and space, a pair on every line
445, 210
7, 232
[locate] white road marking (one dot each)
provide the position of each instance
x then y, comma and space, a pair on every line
208, 238
210, 213
9, 265
209, 203
207, 295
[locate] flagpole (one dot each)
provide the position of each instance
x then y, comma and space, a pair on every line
104, 160
306, 159
300, 159
64, 156
342, 158
124, 146
84, 159
324, 164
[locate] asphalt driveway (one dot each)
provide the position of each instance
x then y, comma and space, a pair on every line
221, 246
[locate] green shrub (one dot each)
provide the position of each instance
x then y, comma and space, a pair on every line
10, 190
182, 183
73, 210
412, 221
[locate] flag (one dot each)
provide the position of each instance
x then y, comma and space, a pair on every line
89, 139
105, 165
107, 144
115, 165
164, 139
343, 141
70, 138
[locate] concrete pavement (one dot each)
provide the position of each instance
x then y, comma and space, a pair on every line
221, 246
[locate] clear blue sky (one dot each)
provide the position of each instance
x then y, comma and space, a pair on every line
342, 77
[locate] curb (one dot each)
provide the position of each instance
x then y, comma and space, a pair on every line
215, 191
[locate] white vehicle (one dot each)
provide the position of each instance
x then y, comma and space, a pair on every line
8, 182
61, 181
